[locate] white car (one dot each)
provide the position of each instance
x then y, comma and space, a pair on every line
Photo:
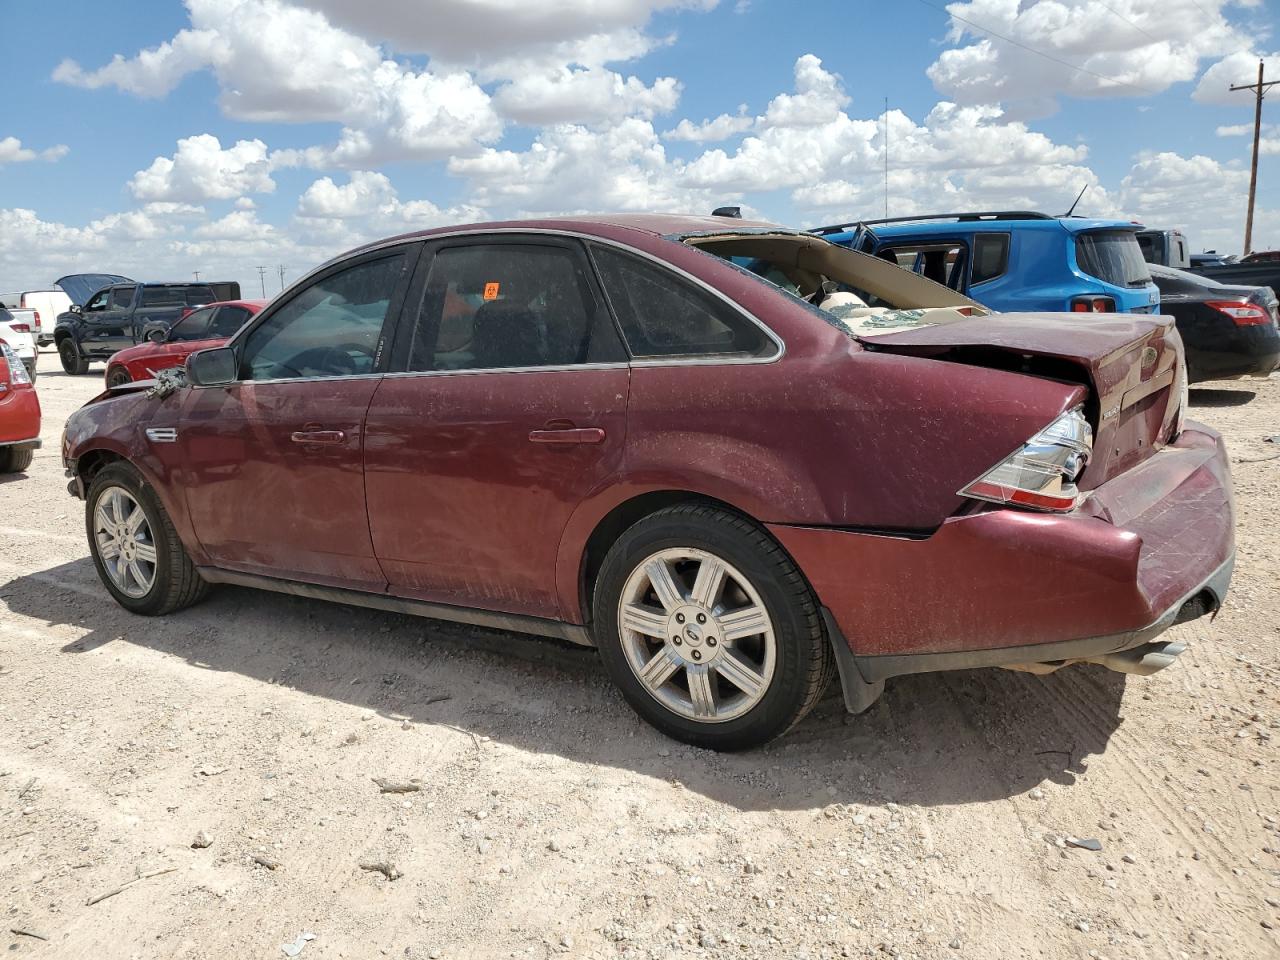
48, 303
17, 328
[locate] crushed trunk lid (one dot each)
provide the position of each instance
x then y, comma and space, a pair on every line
1133, 365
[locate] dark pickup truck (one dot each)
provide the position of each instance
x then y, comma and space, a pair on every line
124, 314
1168, 248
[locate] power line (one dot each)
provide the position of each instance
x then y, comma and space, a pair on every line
1038, 53
1128, 21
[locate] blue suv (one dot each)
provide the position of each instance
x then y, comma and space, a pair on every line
1016, 260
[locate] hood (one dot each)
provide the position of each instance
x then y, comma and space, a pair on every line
81, 286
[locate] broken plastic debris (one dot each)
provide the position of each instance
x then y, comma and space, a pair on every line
1087, 844
295, 948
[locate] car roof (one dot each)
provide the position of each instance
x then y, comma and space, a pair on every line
605, 224
1070, 224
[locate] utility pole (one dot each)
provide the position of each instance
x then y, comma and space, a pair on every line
262, 279
281, 270
1260, 89
197, 275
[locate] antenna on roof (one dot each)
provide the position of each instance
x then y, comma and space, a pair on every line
1077, 203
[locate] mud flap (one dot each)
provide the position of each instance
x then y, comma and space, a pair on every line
859, 694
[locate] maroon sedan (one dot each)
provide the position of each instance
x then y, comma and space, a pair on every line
734, 457
208, 326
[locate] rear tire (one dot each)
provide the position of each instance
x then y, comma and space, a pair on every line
15, 461
72, 362
756, 659
118, 376
150, 572
31, 371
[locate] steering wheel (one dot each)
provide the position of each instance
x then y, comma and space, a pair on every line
334, 361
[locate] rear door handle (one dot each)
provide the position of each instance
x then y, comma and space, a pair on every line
568, 435
318, 436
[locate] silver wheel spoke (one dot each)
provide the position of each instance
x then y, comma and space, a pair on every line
109, 550
147, 552
102, 519
117, 510
746, 622
644, 620
707, 585
700, 692
659, 669
135, 571
135, 520
664, 584
741, 674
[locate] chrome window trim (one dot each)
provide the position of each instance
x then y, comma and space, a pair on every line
480, 371
326, 379
719, 359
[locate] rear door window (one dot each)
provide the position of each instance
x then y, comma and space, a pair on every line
176, 295
490, 306
990, 257
1112, 256
943, 262
122, 298
664, 315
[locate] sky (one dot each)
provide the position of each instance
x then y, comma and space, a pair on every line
158, 138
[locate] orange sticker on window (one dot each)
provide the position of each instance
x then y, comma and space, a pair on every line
491, 291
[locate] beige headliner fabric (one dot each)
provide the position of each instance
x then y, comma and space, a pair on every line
814, 256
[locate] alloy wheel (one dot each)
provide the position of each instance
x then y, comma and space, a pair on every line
697, 635
124, 542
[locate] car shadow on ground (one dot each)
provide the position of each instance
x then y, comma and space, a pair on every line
934, 739
1205, 397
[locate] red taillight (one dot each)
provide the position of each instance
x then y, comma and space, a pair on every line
20, 327
1242, 314
1093, 305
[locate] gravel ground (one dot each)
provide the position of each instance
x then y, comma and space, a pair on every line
551, 822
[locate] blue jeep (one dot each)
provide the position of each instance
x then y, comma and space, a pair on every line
1016, 260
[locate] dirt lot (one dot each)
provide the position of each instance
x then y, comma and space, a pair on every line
551, 822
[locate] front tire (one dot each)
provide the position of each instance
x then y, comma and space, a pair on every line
709, 629
118, 376
72, 362
135, 548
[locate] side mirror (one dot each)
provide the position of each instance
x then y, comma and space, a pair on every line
157, 335
75, 308
208, 368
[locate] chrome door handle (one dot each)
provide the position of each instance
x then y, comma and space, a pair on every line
318, 436
568, 435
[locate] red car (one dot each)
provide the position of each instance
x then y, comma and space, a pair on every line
208, 326
19, 413
718, 450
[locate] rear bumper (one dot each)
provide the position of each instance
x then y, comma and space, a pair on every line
1232, 351
1007, 587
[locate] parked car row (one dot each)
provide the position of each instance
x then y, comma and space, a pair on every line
735, 457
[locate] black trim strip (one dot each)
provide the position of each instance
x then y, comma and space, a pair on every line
514, 622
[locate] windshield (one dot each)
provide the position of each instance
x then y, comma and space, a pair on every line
1113, 256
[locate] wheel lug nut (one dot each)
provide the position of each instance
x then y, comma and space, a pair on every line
679, 618
702, 618
697, 655
677, 641
711, 641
